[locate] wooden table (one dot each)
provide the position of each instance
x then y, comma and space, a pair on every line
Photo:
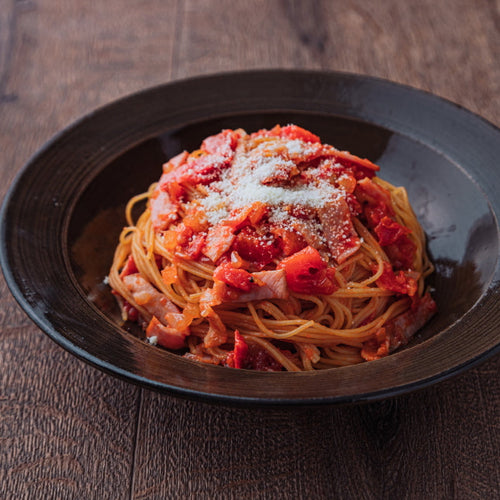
70, 431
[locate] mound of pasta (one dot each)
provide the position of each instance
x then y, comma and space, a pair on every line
273, 251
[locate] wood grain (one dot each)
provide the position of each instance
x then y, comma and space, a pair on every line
408, 447
69, 431
55, 416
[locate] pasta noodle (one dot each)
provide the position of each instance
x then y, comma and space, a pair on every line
273, 251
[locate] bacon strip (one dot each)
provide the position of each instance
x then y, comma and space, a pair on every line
163, 210
166, 336
272, 286
147, 296
341, 237
402, 328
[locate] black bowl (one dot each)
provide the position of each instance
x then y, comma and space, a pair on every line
62, 216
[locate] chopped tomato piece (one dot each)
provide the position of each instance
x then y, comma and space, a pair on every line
182, 239
295, 132
195, 245
389, 231
252, 357
398, 246
402, 253
184, 234
260, 360
170, 239
237, 358
256, 248
177, 236
169, 183
237, 278
399, 282
361, 167
332, 171
251, 214
196, 218
374, 197
291, 241
375, 213
169, 275
288, 132
307, 272
347, 183
258, 212
379, 214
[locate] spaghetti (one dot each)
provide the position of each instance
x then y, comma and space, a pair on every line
273, 251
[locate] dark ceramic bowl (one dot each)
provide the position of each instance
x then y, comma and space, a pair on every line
62, 217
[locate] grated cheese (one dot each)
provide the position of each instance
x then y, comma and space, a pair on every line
295, 147
243, 183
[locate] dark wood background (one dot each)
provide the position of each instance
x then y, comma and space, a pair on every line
70, 431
